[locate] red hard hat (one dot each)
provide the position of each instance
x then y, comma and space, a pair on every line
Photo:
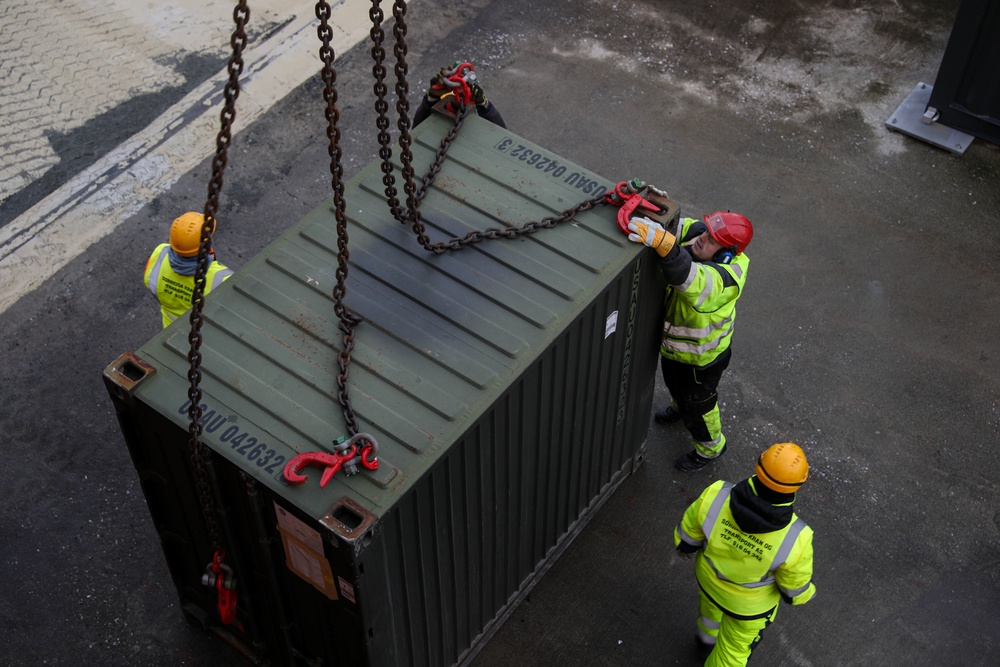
731, 230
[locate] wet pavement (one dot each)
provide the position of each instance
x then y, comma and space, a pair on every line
864, 335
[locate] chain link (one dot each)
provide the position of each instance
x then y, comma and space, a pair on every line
416, 194
200, 455
411, 215
347, 319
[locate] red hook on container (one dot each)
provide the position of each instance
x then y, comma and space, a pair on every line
220, 576
627, 196
347, 457
332, 462
458, 79
369, 456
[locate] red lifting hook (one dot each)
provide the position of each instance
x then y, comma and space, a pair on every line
627, 195
332, 462
220, 576
347, 457
458, 80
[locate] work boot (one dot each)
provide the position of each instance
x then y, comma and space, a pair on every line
694, 461
667, 416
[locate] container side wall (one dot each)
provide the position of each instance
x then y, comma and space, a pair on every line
480, 527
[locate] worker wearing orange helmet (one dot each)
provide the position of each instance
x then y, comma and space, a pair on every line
752, 552
705, 266
170, 269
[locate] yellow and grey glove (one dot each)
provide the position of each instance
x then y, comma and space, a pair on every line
652, 234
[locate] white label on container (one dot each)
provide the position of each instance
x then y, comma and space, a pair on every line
306, 563
346, 590
611, 324
298, 529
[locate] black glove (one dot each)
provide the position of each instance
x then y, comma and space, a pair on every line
437, 88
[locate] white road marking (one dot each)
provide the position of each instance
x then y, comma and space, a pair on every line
91, 205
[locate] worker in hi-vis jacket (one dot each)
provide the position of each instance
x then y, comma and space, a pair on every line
752, 552
705, 267
170, 269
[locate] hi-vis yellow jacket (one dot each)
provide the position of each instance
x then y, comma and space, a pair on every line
746, 574
701, 301
172, 289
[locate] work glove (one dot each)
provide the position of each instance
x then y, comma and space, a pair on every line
437, 89
686, 555
478, 95
652, 234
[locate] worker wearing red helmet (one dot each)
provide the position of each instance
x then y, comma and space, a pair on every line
705, 267
752, 552
170, 269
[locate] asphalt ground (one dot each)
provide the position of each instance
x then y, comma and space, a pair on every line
865, 335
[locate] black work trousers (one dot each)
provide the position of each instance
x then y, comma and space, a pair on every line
694, 392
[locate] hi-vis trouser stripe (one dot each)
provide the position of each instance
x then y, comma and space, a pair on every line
780, 556
706, 624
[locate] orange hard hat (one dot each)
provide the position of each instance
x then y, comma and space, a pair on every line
185, 233
783, 467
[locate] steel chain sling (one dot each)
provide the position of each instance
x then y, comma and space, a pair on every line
347, 319
415, 194
217, 574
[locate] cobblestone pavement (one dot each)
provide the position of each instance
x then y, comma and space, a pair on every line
70, 65
108, 106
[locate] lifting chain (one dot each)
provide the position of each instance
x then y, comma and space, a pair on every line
414, 194
201, 458
347, 319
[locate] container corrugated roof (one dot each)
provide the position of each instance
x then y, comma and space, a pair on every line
443, 335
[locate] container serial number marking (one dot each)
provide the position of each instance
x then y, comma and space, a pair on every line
240, 441
550, 166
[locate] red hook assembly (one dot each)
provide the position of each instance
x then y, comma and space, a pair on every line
627, 195
332, 462
347, 457
458, 80
218, 575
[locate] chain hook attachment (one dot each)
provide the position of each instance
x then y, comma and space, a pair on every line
347, 456
628, 197
219, 576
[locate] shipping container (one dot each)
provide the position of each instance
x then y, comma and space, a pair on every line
508, 385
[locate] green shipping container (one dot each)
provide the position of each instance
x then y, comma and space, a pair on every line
508, 385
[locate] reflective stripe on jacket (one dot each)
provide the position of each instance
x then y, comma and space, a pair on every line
746, 573
172, 289
701, 311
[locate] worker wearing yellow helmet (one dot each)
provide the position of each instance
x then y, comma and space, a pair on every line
171, 267
752, 552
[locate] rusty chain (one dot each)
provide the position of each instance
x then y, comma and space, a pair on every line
347, 319
416, 194
200, 455
413, 193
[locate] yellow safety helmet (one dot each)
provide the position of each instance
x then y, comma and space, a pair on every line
783, 467
185, 233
